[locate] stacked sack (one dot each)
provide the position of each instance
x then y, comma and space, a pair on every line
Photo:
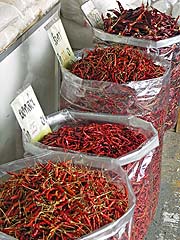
158, 97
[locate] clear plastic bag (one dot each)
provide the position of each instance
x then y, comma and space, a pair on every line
138, 164
146, 99
67, 116
167, 48
117, 230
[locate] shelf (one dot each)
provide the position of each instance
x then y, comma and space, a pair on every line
40, 21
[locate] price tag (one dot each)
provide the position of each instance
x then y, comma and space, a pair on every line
92, 14
60, 42
30, 115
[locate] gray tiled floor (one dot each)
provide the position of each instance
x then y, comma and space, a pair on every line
166, 225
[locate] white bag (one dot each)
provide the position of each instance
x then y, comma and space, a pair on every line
176, 10
77, 28
79, 36
17, 16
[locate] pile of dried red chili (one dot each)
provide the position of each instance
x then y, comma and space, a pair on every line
113, 140
118, 64
101, 139
60, 201
122, 65
142, 22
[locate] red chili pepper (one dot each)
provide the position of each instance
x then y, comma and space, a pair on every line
117, 64
112, 140
28, 208
141, 22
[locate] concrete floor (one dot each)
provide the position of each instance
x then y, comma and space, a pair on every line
166, 224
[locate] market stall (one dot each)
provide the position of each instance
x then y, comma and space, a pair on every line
91, 91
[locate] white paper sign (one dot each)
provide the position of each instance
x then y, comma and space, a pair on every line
60, 42
30, 115
92, 14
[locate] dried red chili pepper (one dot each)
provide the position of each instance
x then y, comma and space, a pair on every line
151, 24
116, 100
142, 22
131, 64
95, 135
155, 25
88, 191
102, 139
118, 64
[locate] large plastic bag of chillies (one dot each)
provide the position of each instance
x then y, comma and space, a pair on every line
126, 140
61, 196
144, 27
118, 79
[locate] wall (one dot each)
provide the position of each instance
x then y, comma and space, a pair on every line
32, 62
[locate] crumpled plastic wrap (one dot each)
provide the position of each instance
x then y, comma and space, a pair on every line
117, 230
17, 16
139, 164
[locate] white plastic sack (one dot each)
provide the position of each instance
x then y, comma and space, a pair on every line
11, 23
176, 10
17, 16
78, 36
77, 28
